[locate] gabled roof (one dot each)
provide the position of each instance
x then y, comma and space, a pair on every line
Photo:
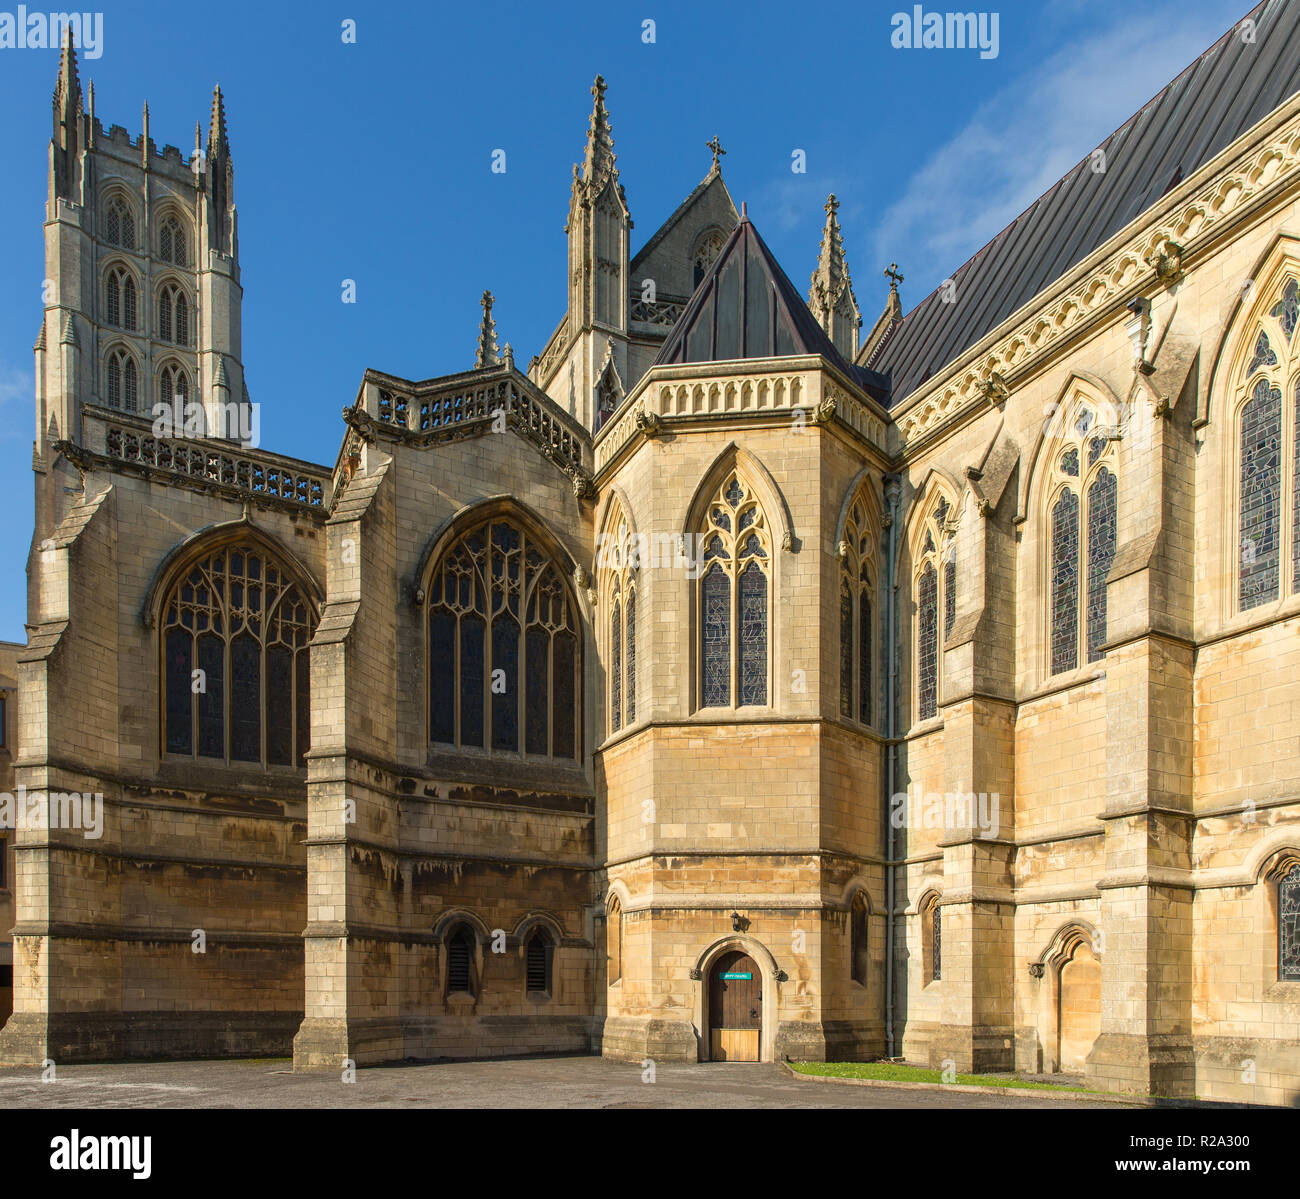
714, 176
1231, 87
746, 307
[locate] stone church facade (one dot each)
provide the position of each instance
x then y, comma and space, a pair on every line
733, 681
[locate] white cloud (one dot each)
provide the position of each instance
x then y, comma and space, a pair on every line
1024, 138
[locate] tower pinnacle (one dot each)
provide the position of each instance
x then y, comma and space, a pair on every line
487, 337
598, 163
831, 294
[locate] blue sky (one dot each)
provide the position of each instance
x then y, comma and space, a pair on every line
372, 161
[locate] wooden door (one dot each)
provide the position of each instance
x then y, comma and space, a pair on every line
735, 1008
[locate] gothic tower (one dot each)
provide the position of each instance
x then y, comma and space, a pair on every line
142, 292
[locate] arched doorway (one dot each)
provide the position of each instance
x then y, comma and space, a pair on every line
1079, 1019
735, 1016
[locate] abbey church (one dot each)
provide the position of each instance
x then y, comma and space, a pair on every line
741, 677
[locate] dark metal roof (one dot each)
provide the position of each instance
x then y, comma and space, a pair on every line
1232, 86
746, 307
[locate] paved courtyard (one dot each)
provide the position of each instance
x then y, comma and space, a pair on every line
563, 1082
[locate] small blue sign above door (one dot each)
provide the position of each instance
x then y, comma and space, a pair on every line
733, 974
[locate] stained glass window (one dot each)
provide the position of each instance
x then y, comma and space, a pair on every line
1295, 494
1288, 925
856, 647
753, 635
121, 299
236, 676
949, 589
1065, 583
936, 942
864, 657
1102, 499
716, 622
1081, 534
846, 649
502, 646
630, 697
616, 668
1264, 355
1261, 495
1287, 310
928, 642
734, 595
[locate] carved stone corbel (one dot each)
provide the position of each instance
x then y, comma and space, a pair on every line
993, 387
1167, 262
649, 423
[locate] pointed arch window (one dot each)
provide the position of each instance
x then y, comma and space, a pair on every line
120, 298
857, 605
614, 942
937, 568
932, 940
706, 253
1288, 925
504, 657
173, 388
733, 597
858, 939
1082, 528
1267, 444
622, 561
460, 960
173, 316
123, 381
173, 242
119, 223
539, 952
236, 686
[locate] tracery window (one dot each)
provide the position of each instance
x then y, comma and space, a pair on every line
237, 687
173, 388
504, 661
173, 316
1268, 465
123, 381
734, 588
173, 243
120, 298
857, 607
706, 253
1082, 519
622, 565
935, 556
119, 223
1288, 925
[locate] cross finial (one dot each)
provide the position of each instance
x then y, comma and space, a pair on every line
832, 205
716, 147
893, 276
598, 88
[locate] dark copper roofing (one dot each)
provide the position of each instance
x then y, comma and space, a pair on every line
746, 307
1232, 86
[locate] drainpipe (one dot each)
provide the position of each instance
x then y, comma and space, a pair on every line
892, 489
